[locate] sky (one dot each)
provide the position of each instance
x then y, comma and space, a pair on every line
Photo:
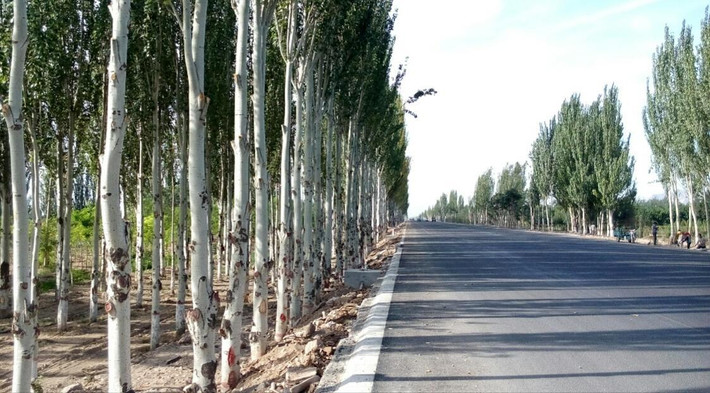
501, 67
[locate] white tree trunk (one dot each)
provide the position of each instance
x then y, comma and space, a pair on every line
95, 267
220, 214
262, 16
118, 279
307, 170
283, 262
350, 209
139, 223
157, 250
691, 208
338, 207
35, 238
319, 219
677, 211
231, 328
173, 256
328, 200
202, 319
60, 216
24, 321
65, 265
182, 219
296, 190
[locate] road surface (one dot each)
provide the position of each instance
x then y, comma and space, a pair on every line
485, 309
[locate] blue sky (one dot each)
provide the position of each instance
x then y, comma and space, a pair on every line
503, 66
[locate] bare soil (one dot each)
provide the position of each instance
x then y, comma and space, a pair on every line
78, 355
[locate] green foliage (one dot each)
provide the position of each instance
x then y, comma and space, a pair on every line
677, 113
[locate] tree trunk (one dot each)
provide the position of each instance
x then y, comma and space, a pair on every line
691, 207
707, 218
139, 223
65, 270
319, 219
257, 339
231, 328
283, 262
677, 211
328, 239
210, 237
6, 239
610, 220
670, 212
95, 267
157, 250
34, 294
221, 213
350, 210
173, 255
338, 207
24, 321
307, 170
118, 279
202, 319
182, 220
60, 215
297, 267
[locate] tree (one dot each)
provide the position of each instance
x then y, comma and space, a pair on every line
284, 259
118, 261
231, 328
483, 194
263, 12
573, 157
24, 323
202, 319
541, 157
613, 166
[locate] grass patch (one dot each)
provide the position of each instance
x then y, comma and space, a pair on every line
47, 282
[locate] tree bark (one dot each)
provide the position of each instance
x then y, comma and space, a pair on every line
283, 262
139, 223
6, 239
95, 267
307, 171
296, 190
182, 219
231, 328
67, 195
24, 321
118, 279
157, 250
262, 17
328, 235
202, 319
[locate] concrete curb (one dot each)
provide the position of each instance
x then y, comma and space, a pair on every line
354, 365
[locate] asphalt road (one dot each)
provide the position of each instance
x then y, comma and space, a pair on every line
485, 309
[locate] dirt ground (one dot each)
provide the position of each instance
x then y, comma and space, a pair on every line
79, 354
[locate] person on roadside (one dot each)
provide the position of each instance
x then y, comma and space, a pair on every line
654, 230
701, 243
676, 238
684, 238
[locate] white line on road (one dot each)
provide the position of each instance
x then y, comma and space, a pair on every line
359, 375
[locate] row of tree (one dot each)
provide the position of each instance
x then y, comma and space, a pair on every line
580, 161
501, 202
677, 120
310, 170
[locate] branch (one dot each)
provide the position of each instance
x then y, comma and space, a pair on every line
178, 18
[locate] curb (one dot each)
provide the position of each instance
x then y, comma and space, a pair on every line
354, 365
